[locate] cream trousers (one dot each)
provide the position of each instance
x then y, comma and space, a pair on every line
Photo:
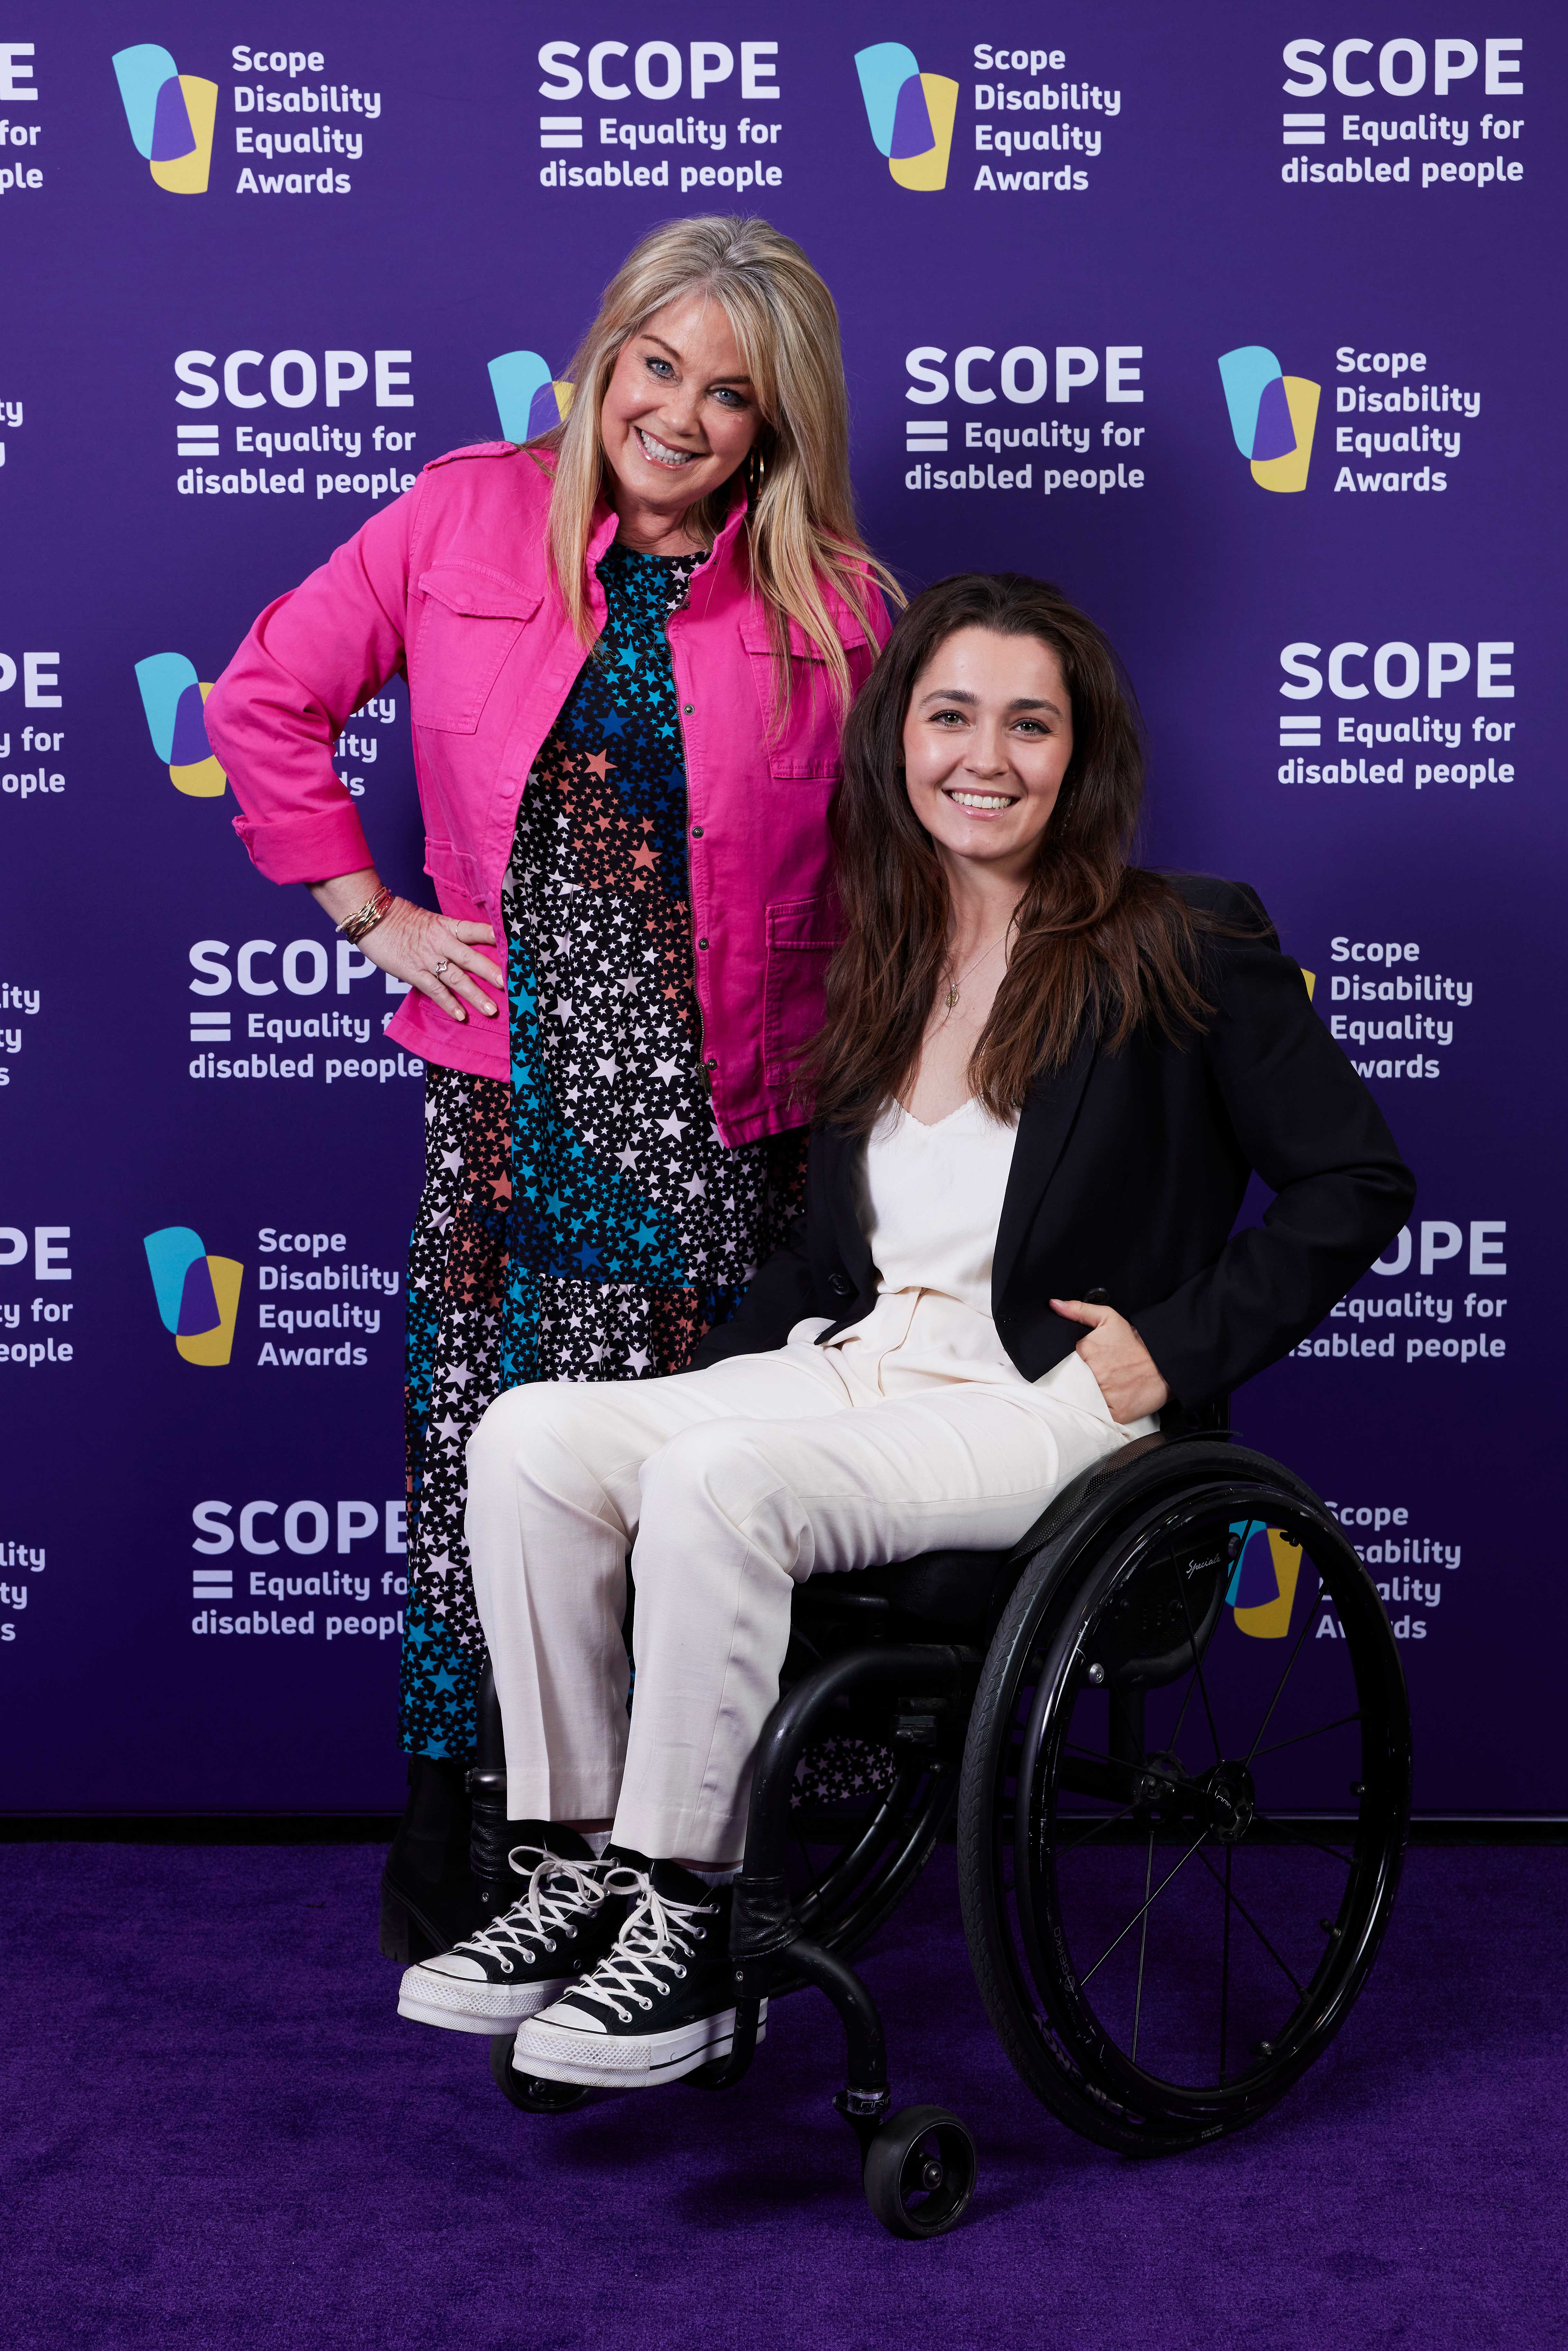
728, 1486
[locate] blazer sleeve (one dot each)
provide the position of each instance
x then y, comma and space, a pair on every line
277, 711
1313, 1133
782, 1293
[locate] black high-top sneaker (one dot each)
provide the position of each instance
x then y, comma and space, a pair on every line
567, 1916
659, 2005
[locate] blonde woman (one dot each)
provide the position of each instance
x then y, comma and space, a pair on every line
629, 646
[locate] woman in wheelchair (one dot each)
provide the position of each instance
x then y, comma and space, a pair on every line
1045, 1079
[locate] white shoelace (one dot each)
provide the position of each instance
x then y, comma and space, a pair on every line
558, 1893
654, 1932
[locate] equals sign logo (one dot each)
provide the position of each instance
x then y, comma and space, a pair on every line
197, 440
1300, 730
211, 1583
926, 434
560, 130
1304, 129
209, 1028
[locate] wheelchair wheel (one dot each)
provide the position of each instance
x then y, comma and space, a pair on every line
919, 2172
1186, 1790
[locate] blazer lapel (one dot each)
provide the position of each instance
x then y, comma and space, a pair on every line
838, 1150
1044, 1126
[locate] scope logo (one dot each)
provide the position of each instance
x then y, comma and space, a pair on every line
1272, 415
171, 115
528, 400
198, 1295
910, 113
173, 697
1262, 1589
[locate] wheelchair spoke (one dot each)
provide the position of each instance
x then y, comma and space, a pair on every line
1296, 1737
1143, 1947
1197, 1660
1061, 1852
1285, 1677
1293, 1835
1153, 1898
1225, 1972
1181, 1714
1236, 1902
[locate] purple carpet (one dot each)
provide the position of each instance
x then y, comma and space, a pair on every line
217, 2132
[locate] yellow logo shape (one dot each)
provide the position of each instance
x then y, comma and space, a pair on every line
1289, 472
930, 171
1271, 1620
214, 1346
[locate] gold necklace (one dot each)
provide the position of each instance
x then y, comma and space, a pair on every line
951, 999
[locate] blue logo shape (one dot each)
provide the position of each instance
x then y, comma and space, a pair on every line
527, 401
142, 73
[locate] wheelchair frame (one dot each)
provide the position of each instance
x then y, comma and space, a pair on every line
918, 2167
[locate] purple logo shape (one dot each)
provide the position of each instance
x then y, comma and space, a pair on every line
198, 1301
173, 136
912, 131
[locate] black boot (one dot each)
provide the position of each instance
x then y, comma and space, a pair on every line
429, 1900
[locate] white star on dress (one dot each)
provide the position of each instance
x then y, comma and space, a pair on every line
675, 1126
667, 1069
639, 1359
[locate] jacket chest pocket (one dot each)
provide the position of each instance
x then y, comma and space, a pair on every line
802, 744
472, 618
803, 937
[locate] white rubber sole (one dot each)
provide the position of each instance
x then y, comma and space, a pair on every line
555, 2054
462, 2006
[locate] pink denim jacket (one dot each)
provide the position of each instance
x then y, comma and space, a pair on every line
450, 585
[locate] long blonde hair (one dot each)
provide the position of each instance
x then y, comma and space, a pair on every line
801, 527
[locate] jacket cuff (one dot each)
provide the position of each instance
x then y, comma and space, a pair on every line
1187, 1367
309, 848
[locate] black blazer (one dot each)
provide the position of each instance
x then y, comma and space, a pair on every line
1127, 1175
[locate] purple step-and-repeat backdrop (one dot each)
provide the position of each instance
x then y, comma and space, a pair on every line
1237, 321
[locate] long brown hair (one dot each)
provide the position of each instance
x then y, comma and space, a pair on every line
1097, 942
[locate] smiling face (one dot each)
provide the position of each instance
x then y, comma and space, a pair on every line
679, 417
987, 740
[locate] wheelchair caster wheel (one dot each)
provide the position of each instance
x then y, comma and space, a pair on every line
920, 2172
526, 2091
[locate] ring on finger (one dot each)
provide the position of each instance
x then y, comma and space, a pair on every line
441, 966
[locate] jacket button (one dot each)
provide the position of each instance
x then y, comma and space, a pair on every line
712, 1061
840, 1286
1096, 1298
688, 707
696, 832
702, 943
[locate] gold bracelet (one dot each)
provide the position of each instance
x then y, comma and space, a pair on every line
358, 925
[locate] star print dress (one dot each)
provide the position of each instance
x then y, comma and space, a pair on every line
583, 1222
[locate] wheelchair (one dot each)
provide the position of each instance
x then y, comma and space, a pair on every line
1169, 1731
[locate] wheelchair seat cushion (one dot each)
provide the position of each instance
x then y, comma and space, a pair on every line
951, 1588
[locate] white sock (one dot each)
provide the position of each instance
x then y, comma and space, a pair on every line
726, 1876
596, 1840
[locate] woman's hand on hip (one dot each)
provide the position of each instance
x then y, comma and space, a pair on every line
1125, 1372
432, 952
